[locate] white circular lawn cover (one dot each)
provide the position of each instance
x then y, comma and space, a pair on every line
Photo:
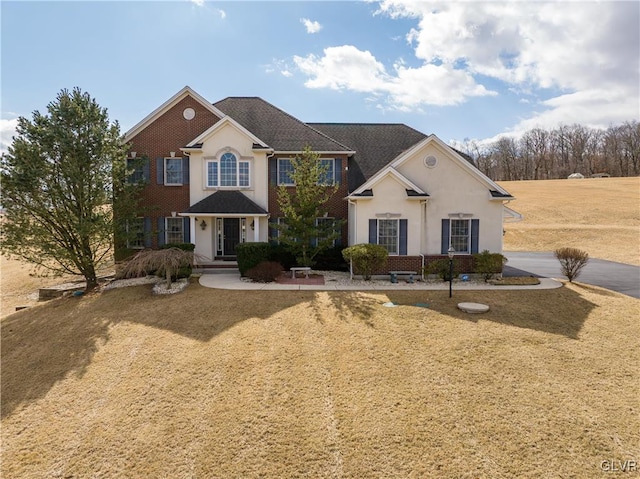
473, 308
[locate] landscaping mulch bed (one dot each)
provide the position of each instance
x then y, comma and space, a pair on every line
516, 281
285, 278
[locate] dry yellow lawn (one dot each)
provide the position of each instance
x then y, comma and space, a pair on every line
225, 384
598, 215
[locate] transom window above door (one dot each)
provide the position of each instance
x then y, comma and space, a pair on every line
228, 171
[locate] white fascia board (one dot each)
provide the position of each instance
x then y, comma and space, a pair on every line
226, 120
186, 91
464, 164
223, 215
389, 170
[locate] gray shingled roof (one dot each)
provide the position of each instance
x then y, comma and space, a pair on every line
375, 144
278, 129
230, 202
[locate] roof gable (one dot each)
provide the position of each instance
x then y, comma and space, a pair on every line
226, 202
496, 190
197, 142
391, 172
158, 112
278, 129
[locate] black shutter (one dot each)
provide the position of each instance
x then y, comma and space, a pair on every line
444, 247
273, 171
403, 237
475, 235
161, 231
337, 170
147, 232
185, 171
160, 171
373, 231
186, 233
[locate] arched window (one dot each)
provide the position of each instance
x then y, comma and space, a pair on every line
228, 170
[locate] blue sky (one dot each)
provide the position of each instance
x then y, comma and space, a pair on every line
460, 70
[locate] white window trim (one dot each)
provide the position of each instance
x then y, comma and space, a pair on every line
166, 228
278, 173
397, 253
129, 246
177, 158
216, 160
468, 220
333, 171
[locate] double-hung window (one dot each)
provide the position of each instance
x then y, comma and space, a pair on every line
388, 235
136, 167
173, 171
135, 233
326, 227
228, 171
460, 235
174, 230
285, 168
328, 171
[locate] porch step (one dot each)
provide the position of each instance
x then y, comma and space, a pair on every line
234, 270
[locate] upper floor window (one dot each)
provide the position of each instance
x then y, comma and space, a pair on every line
173, 171
228, 171
460, 236
328, 175
285, 169
138, 169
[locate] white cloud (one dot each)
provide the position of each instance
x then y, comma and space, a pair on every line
405, 88
585, 53
222, 13
7, 132
197, 2
311, 26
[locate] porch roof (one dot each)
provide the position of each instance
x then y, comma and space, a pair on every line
226, 202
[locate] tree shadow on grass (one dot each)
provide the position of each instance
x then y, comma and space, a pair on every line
42, 345
345, 306
559, 311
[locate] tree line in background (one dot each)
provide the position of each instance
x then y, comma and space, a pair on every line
549, 154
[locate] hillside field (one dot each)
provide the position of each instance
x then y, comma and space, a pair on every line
598, 215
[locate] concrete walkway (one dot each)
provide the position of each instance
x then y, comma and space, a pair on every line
233, 281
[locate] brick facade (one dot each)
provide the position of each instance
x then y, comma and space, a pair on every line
337, 206
462, 263
170, 132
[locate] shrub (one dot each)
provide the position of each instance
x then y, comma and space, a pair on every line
251, 254
165, 262
281, 254
572, 260
331, 260
366, 258
487, 264
181, 246
265, 272
441, 268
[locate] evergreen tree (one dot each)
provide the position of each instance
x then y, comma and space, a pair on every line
59, 180
303, 204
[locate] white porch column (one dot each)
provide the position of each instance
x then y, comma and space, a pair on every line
256, 228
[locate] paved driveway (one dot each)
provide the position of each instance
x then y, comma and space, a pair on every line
623, 278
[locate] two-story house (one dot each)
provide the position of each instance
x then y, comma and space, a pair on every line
213, 171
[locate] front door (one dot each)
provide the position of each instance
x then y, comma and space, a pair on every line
231, 235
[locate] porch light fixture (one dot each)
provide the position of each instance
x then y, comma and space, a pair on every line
203, 225
450, 253
253, 225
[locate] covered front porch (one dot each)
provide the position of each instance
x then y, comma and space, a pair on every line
222, 221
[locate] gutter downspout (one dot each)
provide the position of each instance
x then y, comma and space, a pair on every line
422, 270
